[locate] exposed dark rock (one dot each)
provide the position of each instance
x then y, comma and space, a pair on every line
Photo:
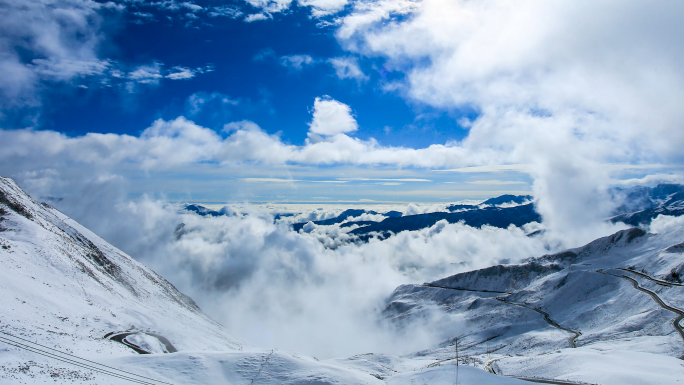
564, 257
203, 211
179, 231
676, 274
14, 205
678, 248
634, 233
536, 233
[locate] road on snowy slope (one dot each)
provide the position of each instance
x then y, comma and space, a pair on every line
657, 281
488, 366
657, 299
575, 334
572, 339
121, 338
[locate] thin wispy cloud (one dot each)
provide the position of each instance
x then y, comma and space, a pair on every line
296, 62
393, 180
279, 180
495, 182
347, 68
488, 169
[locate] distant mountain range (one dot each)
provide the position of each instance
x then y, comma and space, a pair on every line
499, 212
477, 217
642, 204
639, 206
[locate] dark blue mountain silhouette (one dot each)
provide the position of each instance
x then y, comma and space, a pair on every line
492, 216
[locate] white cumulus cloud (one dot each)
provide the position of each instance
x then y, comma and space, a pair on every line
279, 288
331, 117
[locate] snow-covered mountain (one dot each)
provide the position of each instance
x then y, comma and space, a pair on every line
75, 309
609, 312
642, 204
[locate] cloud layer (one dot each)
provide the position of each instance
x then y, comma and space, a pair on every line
569, 185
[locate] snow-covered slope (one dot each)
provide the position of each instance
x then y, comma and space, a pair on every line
58, 277
574, 315
75, 309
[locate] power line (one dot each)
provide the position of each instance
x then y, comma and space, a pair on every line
113, 372
80, 358
53, 356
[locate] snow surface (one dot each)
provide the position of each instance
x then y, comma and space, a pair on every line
146, 342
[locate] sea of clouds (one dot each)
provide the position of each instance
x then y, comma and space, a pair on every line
310, 292
275, 287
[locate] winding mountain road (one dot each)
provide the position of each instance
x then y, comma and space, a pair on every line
575, 334
656, 298
572, 340
657, 281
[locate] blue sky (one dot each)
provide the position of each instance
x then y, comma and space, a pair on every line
247, 65
339, 100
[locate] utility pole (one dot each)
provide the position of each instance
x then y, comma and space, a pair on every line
456, 346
